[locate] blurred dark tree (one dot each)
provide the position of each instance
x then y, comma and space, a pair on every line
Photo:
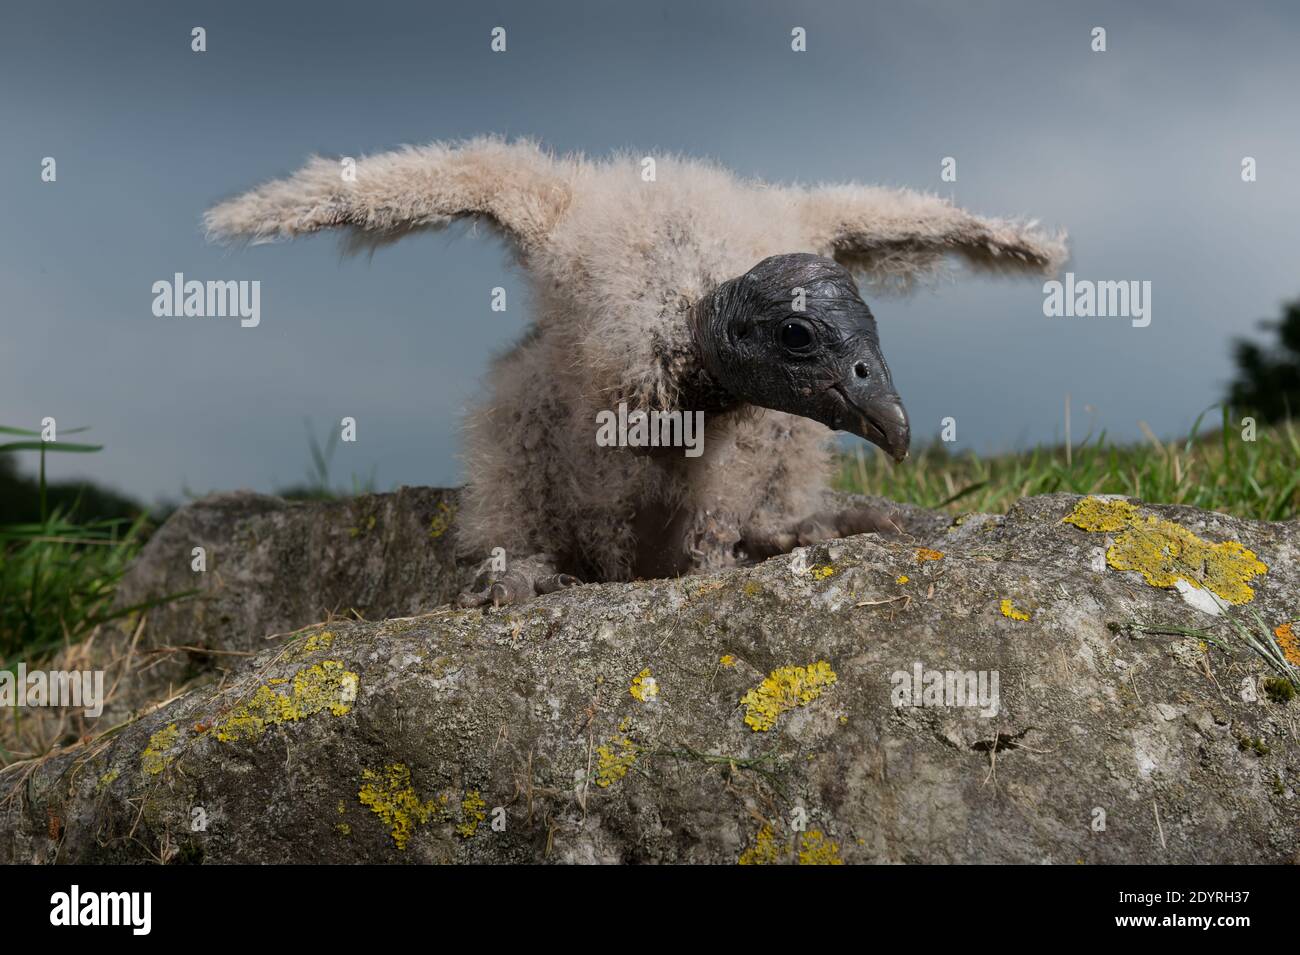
1268, 377
20, 498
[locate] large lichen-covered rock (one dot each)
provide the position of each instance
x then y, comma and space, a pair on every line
1117, 713
240, 568
267, 566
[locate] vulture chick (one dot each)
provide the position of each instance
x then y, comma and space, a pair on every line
695, 291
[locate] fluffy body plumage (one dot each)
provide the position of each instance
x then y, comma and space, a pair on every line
616, 264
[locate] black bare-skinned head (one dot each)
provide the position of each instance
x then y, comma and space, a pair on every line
823, 362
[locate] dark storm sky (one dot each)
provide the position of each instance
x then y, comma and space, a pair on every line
1136, 151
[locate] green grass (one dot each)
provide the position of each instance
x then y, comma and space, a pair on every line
1222, 472
58, 575
59, 572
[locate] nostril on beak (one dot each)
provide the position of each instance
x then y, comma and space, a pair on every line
860, 369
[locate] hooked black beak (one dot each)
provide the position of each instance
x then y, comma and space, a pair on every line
880, 418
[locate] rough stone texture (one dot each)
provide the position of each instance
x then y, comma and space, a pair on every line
397, 740
273, 566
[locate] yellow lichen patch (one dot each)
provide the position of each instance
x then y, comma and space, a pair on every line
154, 759
472, 810
441, 521
752, 588
106, 780
1009, 610
784, 689
318, 641
821, 573
924, 553
1164, 552
764, 851
1288, 643
323, 686
614, 759
1093, 514
902, 579
727, 660
816, 849
644, 687
343, 828
392, 798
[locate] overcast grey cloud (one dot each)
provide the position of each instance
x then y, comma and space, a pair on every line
1136, 151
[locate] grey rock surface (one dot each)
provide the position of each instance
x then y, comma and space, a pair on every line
273, 566
750, 715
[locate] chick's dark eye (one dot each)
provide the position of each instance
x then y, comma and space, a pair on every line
795, 336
